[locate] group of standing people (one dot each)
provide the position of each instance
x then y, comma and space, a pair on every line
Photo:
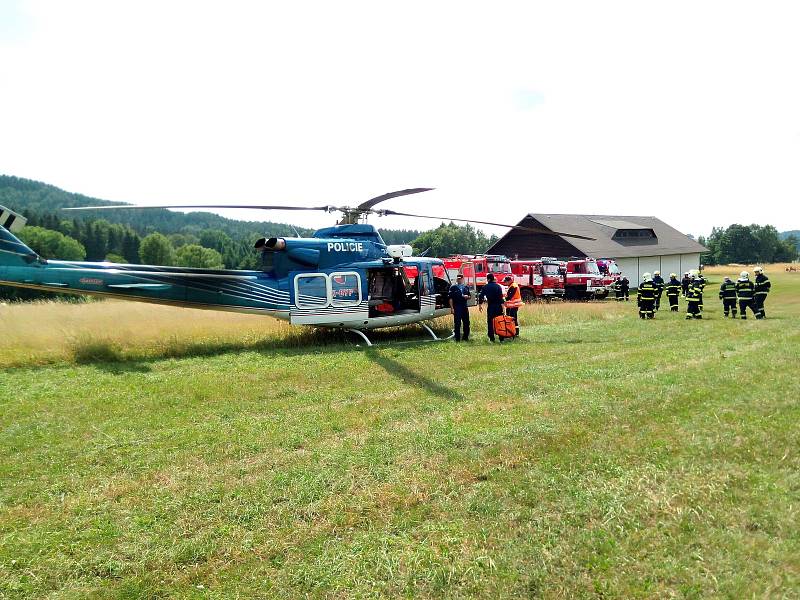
749, 295
497, 303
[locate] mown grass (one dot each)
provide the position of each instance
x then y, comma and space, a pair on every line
600, 456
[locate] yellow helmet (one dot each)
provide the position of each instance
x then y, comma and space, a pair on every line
673, 275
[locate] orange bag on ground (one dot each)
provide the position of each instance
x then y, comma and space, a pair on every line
504, 326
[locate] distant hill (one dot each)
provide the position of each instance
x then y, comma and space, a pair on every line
795, 232
36, 198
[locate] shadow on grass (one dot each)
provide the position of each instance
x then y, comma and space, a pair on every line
112, 357
409, 377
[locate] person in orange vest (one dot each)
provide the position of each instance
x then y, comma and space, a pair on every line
513, 300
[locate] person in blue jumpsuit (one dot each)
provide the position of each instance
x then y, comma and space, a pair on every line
459, 294
492, 294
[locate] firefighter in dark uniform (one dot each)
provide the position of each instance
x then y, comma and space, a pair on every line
493, 295
624, 288
685, 283
744, 292
458, 295
658, 281
727, 293
693, 298
646, 297
762, 288
513, 300
701, 281
673, 288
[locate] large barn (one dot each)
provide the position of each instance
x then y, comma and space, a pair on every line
638, 244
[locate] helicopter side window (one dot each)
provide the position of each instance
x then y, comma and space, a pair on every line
311, 291
345, 289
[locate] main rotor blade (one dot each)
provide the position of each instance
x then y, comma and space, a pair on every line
257, 207
520, 227
377, 199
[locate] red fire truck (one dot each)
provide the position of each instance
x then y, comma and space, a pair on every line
583, 279
477, 266
609, 270
539, 279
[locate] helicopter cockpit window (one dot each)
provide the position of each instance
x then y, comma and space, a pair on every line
311, 291
345, 289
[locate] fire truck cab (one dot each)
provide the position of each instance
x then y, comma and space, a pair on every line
609, 270
583, 280
476, 266
538, 279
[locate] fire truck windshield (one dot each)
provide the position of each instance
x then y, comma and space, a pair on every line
613, 269
500, 267
550, 269
591, 267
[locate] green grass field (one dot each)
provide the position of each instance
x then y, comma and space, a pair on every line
600, 456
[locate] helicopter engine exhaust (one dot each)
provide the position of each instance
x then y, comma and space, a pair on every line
273, 244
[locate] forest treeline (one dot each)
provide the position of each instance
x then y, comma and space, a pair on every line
748, 244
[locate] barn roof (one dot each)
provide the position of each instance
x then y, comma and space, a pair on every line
614, 236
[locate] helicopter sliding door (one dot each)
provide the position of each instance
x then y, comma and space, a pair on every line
327, 298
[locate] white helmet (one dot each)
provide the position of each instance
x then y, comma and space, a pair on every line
656, 272
744, 275
758, 270
646, 277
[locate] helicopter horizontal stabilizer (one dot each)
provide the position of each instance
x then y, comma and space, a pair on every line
12, 251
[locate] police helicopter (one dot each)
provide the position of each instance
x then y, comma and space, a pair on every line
343, 277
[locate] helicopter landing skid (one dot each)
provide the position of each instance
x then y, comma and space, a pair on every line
423, 325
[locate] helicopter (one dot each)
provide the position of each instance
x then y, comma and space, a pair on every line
342, 277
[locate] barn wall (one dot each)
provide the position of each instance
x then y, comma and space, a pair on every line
689, 262
629, 268
671, 264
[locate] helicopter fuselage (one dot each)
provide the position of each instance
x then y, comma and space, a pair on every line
343, 277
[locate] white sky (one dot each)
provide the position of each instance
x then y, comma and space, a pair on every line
689, 111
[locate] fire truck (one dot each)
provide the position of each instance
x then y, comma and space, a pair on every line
609, 270
583, 280
477, 266
538, 279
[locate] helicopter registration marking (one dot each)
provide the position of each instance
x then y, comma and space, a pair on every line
345, 246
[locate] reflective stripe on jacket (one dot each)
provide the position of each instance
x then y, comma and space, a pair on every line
727, 290
744, 289
647, 291
762, 284
514, 296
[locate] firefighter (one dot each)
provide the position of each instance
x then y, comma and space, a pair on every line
673, 288
727, 293
646, 297
658, 281
513, 300
685, 282
458, 295
693, 298
701, 281
624, 288
744, 292
617, 287
492, 293
762, 287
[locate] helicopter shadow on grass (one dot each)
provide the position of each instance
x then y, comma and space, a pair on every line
113, 358
409, 377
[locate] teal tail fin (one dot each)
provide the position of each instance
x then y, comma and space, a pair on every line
12, 251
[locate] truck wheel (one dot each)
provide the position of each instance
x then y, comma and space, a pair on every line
528, 296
